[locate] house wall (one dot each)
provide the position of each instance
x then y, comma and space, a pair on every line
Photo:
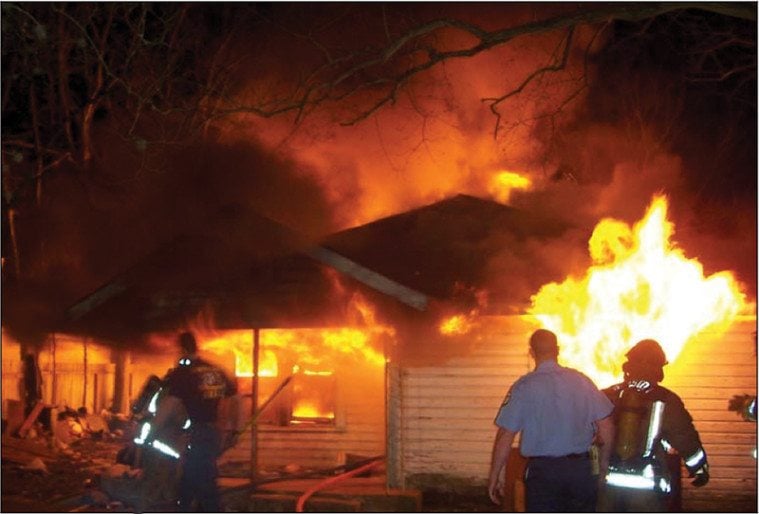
448, 410
360, 412
71, 375
11, 362
447, 430
359, 430
710, 370
140, 366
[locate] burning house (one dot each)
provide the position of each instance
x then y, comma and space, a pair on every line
394, 339
445, 395
363, 210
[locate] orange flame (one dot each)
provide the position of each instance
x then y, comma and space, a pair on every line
312, 401
308, 410
504, 182
240, 343
458, 324
309, 347
640, 286
316, 348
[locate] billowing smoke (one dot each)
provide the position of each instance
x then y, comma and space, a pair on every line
93, 228
595, 138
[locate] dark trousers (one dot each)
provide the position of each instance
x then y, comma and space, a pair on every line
560, 484
199, 471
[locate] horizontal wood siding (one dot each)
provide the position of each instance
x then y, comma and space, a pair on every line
448, 410
710, 370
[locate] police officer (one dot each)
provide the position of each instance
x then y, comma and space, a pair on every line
651, 421
202, 388
559, 411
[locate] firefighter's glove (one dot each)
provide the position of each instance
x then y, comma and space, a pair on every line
701, 476
738, 403
230, 439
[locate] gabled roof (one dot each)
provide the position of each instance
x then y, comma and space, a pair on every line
244, 272
446, 248
254, 272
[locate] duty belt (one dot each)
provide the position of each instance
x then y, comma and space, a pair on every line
572, 456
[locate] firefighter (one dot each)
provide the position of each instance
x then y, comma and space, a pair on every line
154, 454
652, 423
210, 399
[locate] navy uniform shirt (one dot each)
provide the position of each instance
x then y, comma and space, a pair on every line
554, 407
200, 385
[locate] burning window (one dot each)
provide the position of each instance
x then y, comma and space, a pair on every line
313, 398
298, 370
304, 398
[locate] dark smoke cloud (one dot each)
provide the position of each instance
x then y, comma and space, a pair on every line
92, 228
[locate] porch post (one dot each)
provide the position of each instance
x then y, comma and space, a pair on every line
120, 388
84, 390
393, 429
53, 374
254, 409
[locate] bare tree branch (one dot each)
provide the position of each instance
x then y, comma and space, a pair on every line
558, 66
386, 70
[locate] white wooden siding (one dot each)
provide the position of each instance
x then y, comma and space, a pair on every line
448, 410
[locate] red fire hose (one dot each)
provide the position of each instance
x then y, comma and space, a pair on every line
332, 480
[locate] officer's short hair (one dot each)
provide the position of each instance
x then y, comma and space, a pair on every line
187, 343
543, 342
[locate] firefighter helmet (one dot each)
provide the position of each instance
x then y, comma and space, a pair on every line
647, 351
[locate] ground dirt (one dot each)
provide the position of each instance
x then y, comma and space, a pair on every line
38, 478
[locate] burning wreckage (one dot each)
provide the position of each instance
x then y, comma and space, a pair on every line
391, 343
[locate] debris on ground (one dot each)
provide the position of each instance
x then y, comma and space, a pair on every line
38, 477
57, 464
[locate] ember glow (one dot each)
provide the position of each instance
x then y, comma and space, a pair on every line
640, 286
305, 410
504, 182
458, 324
